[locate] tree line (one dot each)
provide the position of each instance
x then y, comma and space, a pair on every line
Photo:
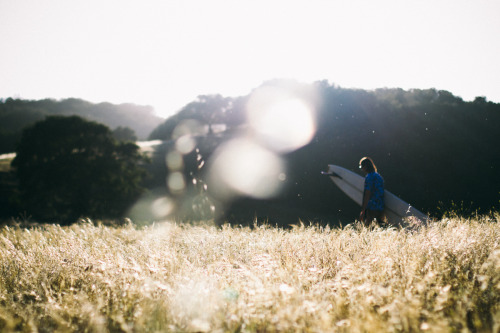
433, 149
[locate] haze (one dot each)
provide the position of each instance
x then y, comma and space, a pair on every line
165, 53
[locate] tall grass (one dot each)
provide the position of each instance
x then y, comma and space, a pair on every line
444, 277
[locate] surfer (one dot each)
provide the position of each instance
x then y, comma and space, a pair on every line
372, 208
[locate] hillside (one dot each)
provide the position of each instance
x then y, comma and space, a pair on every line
434, 150
16, 114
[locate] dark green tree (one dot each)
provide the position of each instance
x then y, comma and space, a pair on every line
69, 168
124, 134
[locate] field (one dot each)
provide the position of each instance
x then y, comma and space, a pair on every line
168, 277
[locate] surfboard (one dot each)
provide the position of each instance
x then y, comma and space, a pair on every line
352, 185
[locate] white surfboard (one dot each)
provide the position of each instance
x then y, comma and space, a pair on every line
352, 185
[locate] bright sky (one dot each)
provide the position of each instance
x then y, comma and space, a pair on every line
164, 53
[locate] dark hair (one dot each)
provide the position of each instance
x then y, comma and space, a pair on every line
367, 163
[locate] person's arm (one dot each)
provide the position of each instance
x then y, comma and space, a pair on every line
366, 198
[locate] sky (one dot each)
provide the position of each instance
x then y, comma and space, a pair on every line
165, 53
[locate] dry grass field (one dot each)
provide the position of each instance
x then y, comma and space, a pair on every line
168, 277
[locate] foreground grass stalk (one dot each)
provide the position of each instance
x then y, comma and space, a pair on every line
444, 277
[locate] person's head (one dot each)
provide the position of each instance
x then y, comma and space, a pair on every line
367, 165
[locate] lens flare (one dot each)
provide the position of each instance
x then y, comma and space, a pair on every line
174, 161
185, 144
162, 207
280, 120
184, 135
176, 182
243, 167
152, 206
189, 127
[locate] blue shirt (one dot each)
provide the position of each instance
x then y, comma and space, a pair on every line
375, 184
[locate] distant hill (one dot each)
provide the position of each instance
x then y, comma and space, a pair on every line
16, 114
435, 150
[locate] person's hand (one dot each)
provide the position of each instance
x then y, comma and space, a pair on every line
362, 216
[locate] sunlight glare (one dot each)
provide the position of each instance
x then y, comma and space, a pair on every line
185, 134
162, 207
281, 120
185, 144
174, 161
176, 182
188, 127
246, 168
152, 206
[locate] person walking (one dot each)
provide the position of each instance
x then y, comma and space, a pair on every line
372, 208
